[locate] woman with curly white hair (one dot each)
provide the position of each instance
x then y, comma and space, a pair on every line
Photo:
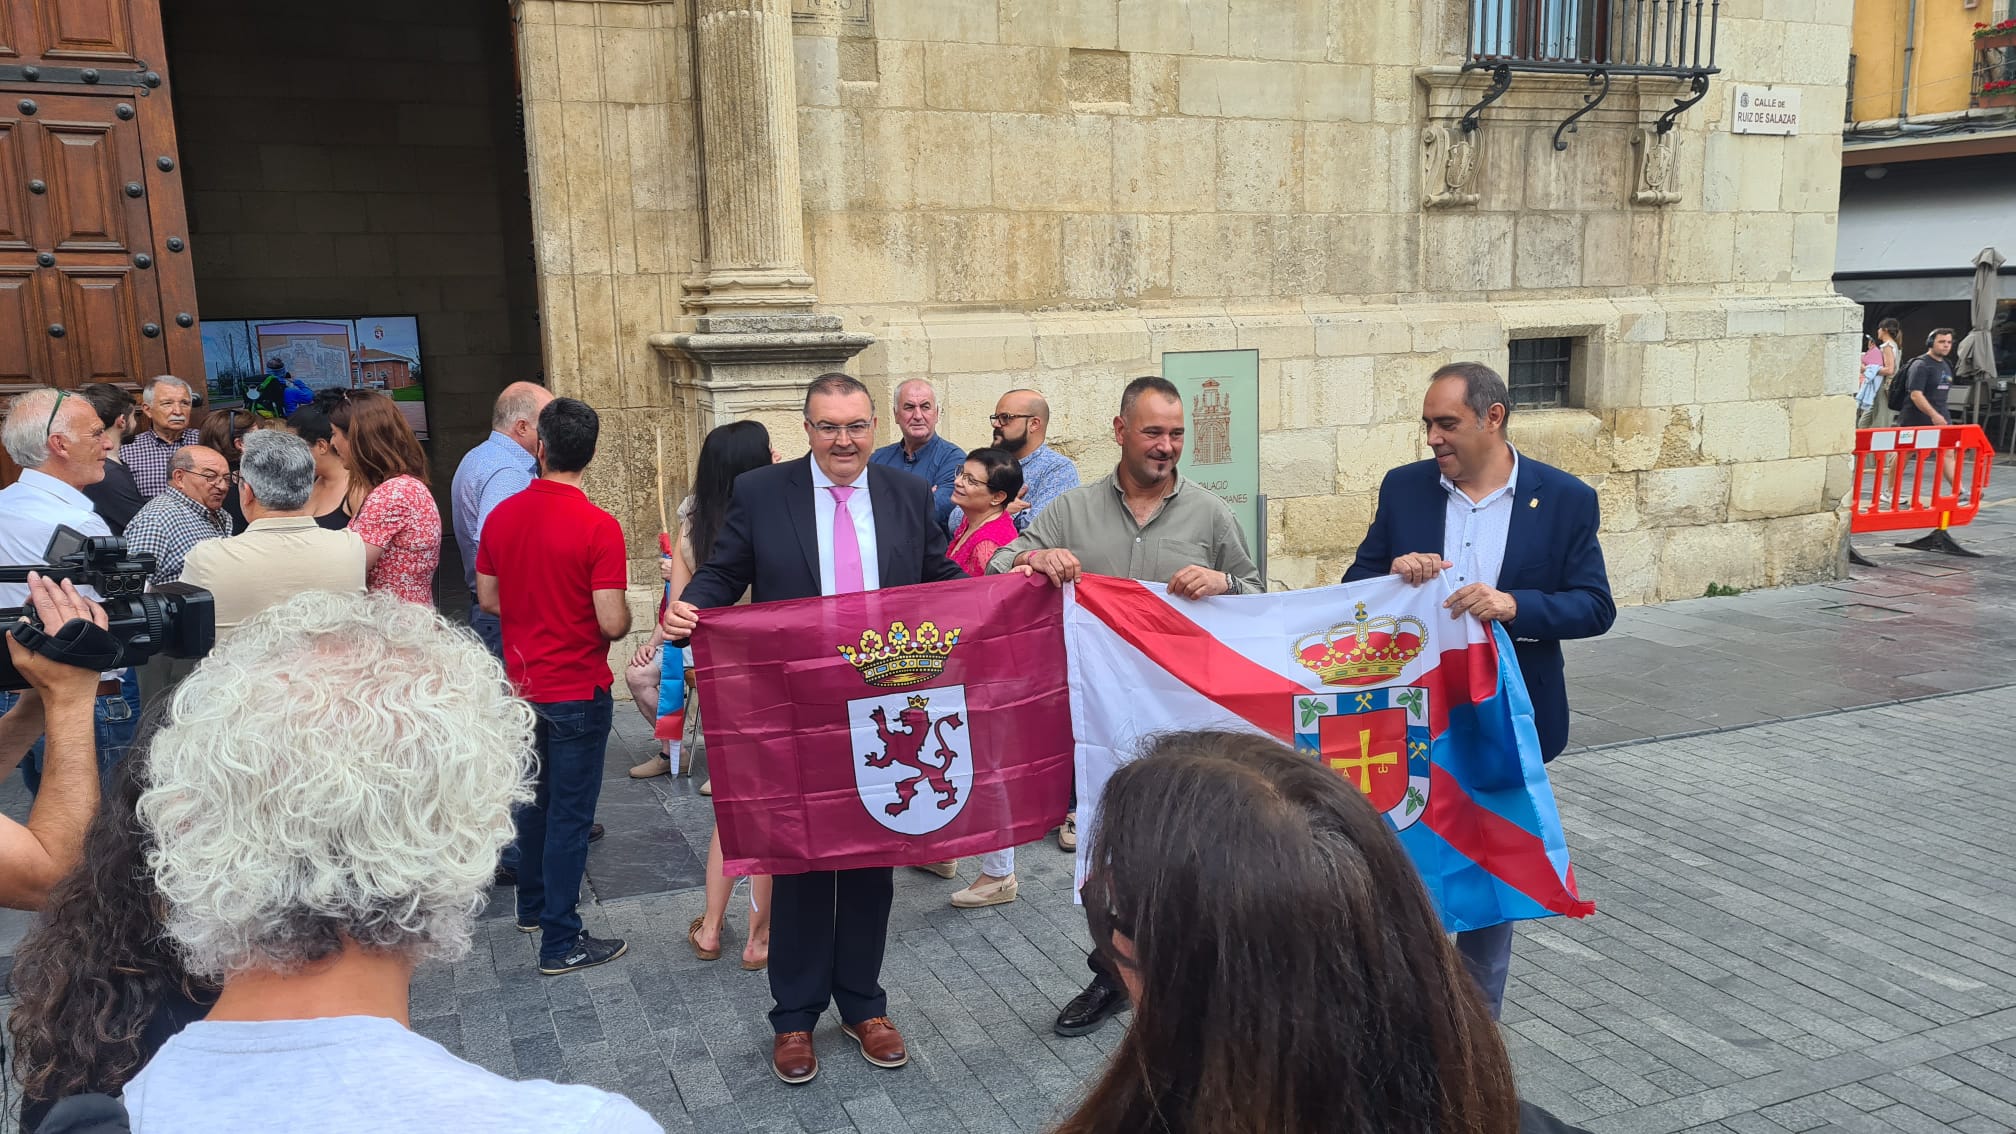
326, 806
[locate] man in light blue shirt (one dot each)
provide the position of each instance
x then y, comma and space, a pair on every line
59, 443
921, 452
489, 474
1021, 420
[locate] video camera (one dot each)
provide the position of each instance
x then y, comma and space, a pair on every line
175, 619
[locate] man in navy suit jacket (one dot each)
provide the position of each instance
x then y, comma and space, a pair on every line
1517, 540
829, 523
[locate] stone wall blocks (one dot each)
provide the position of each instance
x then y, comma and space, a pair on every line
1745, 431
1238, 88
1365, 454
1299, 462
1722, 370
1259, 166
1641, 326
1280, 29
1195, 27
1631, 559
1120, 340
1803, 549
991, 341
1465, 252
1047, 162
1569, 439
1274, 334
1636, 435
869, 257
1777, 488
1155, 161
1321, 526
1668, 374
1823, 426
1335, 93
1214, 256
971, 76
1617, 499
1332, 391
1060, 23
1789, 366
1763, 248
1693, 557
1358, 333
940, 21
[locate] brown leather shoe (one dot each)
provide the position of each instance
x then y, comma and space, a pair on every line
881, 1044
793, 1059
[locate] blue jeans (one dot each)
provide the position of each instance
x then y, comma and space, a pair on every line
573, 737
114, 719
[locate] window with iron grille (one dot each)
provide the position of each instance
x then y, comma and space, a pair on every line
1540, 372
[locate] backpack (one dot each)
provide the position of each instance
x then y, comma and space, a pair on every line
1900, 386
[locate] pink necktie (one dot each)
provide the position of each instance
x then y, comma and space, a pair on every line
846, 544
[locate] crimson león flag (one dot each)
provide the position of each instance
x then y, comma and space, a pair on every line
885, 728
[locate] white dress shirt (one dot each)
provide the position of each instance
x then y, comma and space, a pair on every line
1474, 531
31, 509
862, 510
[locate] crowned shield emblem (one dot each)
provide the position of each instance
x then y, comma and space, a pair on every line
1377, 740
913, 757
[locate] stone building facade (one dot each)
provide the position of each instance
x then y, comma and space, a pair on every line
730, 195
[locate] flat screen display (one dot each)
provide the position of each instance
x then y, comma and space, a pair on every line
372, 352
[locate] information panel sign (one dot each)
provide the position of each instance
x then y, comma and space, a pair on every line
1221, 450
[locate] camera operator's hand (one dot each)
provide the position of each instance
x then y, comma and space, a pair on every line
55, 604
35, 856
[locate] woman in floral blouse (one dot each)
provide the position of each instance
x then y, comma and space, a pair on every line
398, 521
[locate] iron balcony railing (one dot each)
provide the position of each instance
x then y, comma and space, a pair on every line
1623, 37
1597, 38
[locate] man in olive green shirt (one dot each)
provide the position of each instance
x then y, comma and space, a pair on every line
1145, 521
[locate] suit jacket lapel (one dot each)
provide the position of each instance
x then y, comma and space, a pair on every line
798, 504
1528, 525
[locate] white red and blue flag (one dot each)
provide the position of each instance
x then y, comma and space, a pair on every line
1424, 713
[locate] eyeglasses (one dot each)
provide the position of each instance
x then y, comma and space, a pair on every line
211, 476
1005, 418
969, 481
49, 427
854, 430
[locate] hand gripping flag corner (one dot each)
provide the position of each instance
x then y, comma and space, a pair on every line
1425, 714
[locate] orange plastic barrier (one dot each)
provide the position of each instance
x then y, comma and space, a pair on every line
1929, 477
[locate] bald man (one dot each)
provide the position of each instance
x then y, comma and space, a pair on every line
1021, 422
491, 473
919, 451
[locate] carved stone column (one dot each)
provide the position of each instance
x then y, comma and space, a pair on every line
749, 139
751, 342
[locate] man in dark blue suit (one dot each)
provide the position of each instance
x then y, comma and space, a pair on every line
1517, 542
829, 523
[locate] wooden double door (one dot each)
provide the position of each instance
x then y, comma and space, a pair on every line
96, 283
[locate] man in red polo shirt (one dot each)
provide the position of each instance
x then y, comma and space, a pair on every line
552, 568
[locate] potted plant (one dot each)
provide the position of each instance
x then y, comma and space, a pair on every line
1995, 35
1997, 92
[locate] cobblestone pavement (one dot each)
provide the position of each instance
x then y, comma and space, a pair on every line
1801, 926
1806, 911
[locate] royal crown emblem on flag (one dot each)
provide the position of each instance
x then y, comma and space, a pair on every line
924, 753
902, 658
1365, 651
